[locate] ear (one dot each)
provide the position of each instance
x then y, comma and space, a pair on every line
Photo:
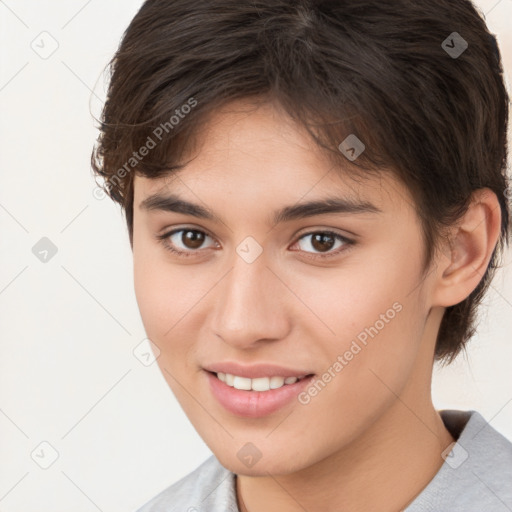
468, 250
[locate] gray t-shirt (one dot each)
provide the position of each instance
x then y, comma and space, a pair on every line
475, 477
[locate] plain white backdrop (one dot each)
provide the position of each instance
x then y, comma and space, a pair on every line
85, 425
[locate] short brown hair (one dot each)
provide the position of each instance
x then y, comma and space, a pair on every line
420, 83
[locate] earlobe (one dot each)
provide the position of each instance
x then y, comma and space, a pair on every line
471, 244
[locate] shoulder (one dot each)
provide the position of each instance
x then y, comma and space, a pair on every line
210, 487
477, 472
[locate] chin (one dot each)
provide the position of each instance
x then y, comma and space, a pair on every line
276, 464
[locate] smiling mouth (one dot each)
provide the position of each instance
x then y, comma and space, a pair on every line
259, 383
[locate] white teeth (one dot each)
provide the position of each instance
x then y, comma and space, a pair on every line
242, 383
276, 382
257, 384
260, 384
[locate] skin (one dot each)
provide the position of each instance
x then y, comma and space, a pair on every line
374, 424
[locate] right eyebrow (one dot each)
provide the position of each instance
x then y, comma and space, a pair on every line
174, 203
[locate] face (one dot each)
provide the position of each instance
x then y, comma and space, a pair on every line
333, 293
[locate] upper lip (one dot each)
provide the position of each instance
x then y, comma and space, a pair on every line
255, 370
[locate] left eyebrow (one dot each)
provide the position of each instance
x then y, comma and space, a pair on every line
322, 207
174, 203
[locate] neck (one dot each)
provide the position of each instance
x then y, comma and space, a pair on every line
383, 470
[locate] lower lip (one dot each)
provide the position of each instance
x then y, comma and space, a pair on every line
255, 404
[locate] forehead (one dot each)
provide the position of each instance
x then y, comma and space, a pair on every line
258, 151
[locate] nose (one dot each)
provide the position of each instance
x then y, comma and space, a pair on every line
251, 305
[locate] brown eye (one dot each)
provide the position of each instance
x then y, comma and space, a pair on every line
323, 243
185, 242
192, 239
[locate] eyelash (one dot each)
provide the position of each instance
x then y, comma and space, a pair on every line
347, 243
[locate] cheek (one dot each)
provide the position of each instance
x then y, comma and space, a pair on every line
156, 289
368, 314
377, 325
148, 291
166, 297
160, 309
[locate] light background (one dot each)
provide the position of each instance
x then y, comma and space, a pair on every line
68, 327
